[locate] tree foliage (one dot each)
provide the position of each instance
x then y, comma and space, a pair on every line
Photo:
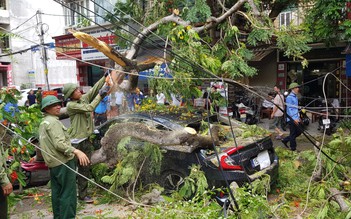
327, 21
206, 39
20, 123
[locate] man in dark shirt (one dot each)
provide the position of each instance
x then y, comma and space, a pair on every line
31, 98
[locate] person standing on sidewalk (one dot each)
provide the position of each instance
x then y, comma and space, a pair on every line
58, 154
293, 117
277, 113
100, 113
119, 101
39, 95
80, 110
31, 98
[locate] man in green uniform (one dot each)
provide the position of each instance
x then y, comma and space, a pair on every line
39, 95
58, 154
80, 110
5, 190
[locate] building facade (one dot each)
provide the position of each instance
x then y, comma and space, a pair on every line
274, 68
30, 24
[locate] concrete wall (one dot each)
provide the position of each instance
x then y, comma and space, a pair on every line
60, 71
267, 72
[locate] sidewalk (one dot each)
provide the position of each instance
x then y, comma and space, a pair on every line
302, 142
312, 128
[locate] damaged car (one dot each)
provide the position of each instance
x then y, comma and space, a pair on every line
238, 157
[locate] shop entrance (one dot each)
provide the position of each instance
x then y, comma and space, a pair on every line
312, 78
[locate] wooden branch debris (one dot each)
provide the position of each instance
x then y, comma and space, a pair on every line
101, 46
336, 195
187, 138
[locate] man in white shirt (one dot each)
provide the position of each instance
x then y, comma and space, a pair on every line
119, 101
277, 113
161, 98
175, 100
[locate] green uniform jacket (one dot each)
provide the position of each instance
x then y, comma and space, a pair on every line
79, 112
39, 96
4, 180
54, 140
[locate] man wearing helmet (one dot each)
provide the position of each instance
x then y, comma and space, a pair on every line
80, 110
58, 154
293, 117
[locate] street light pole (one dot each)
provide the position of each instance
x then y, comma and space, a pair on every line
43, 49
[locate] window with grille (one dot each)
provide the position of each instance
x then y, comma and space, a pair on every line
4, 43
76, 12
102, 7
285, 19
2, 4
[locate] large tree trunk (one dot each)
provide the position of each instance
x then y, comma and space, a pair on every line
185, 140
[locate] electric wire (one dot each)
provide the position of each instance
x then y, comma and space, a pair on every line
78, 174
17, 52
238, 83
75, 171
220, 164
122, 37
233, 136
320, 151
218, 160
24, 22
191, 64
63, 15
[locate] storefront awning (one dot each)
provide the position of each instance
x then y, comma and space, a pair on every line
260, 54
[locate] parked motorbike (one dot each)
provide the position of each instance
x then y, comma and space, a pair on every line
35, 170
326, 124
305, 120
245, 110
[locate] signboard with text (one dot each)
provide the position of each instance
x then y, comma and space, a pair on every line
49, 92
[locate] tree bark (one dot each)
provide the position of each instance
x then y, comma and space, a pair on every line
339, 199
184, 140
317, 175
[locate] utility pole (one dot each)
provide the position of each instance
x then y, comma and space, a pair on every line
43, 49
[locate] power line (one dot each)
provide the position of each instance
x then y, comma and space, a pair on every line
63, 15
155, 44
17, 52
23, 22
194, 65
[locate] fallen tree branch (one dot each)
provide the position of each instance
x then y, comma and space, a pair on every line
336, 195
186, 137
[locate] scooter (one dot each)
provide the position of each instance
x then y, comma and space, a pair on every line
245, 113
305, 120
327, 124
35, 170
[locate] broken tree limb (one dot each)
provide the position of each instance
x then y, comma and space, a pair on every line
101, 46
336, 195
186, 137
